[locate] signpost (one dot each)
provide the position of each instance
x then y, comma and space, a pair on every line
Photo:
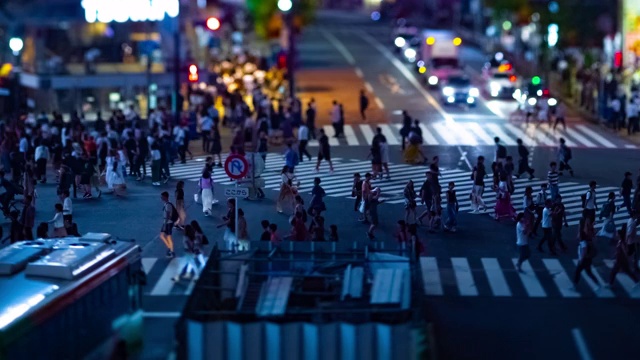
236, 167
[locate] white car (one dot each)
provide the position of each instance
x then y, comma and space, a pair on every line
502, 84
457, 89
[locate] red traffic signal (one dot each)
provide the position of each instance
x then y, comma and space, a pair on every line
193, 73
282, 60
617, 59
213, 24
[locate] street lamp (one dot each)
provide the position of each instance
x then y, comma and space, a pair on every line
286, 6
16, 45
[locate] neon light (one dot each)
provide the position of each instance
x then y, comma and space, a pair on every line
106, 11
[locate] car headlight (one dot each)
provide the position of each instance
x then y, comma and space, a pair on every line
420, 63
494, 86
539, 92
433, 80
517, 94
474, 92
410, 53
448, 91
400, 42
532, 101
552, 102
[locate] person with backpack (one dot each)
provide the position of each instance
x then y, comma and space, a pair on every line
589, 204
169, 217
586, 253
501, 152
607, 212
564, 156
523, 161
192, 250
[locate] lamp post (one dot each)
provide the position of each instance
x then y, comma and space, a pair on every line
16, 45
286, 7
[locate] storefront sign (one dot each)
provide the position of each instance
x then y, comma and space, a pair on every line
106, 11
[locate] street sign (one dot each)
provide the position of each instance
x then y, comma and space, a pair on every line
236, 166
236, 192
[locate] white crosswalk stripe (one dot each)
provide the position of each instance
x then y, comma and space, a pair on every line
159, 273
339, 183
540, 278
471, 133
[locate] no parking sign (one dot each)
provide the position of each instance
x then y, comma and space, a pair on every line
236, 166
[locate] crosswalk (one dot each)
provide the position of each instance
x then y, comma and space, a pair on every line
159, 273
474, 133
339, 183
541, 278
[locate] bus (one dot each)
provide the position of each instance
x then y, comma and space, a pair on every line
70, 298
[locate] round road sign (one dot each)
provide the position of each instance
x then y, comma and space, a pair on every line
236, 166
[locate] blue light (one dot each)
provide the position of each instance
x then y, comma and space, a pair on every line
554, 7
375, 16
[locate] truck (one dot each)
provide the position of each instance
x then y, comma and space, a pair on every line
439, 56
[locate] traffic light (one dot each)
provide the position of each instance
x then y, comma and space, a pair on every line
213, 23
617, 59
193, 73
535, 80
282, 60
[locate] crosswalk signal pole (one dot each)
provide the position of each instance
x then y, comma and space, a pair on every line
235, 246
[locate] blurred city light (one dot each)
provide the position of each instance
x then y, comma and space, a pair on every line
16, 45
457, 41
375, 16
213, 23
285, 5
535, 80
431, 40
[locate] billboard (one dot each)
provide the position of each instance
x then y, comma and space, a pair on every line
631, 32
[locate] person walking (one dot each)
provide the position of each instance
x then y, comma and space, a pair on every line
527, 198
192, 249
287, 193
205, 184
406, 128
523, 161
311, 119
182, 213
607, 212
561, 110
216, 145
206, 124
409, 203
366, 196
384, 156
324, 152
452, 208
356, 192
169, 216
229, 221
621, 263
303, 141
27, 218
59, 231
243, 235
364, 105
427, 191
632, 240
522, 241
478, 176
589, 203
335, 119
564, 156
156, 156
291, 158
625, 192
586, 253
67, 209
376, 160
41, 157
558, 218
374, 201
500, 155
553, 177
540, 202
547, 229
317, 205
633, 110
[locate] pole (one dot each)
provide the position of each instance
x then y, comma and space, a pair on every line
176, 72
291, 55
148, 69
236, 222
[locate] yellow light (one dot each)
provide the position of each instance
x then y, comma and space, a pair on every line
5, 69
457, 41
431, 40
422, 70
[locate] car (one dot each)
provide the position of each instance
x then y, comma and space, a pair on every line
458, 89
437, 70
532, 93
502, 84
405, 37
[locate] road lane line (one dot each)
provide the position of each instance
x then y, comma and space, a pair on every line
583, 140
431, 276
530, 281
624, 280
496, 278
560, 277
464, 277
147, 264
556, 137
359, 72
497, 131
541, 135
165, 284
520, 134
350, 135
479, 132
386, 131
379, 103
581, 344
330, 132
339, 46
445, 134
368, 87
427, 137
367, 133
600, 292
594, 135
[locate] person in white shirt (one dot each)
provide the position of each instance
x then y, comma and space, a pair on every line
178, 142
546, 228
206, 124
522, 241
632, 114
303, 139
23, 146
335, 118
615, 106
590, 204
633, 242
67, 208
59, 230
41, 157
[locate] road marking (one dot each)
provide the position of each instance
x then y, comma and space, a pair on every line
379, 103
595, 136
579, 137
445, 134
497, 131
556, 136
495, 276
630, 146
600, 292
152, 314
147, 264
368, 87
479, 131
520, 134
431, 276
624, 280
339, 46
386, 131
581, 344
426, 135
367, 133
464, 277
560, 277
540, 135
350, 135
330, 132
530, 281
404, 71
165, 284
359, 72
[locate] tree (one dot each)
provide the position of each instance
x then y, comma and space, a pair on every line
267, 19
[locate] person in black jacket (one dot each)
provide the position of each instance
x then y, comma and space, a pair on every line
523, 161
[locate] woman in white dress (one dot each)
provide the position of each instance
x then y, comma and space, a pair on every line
206, 185
111, 159
117, 180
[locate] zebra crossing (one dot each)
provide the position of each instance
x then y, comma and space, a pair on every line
340, 182
541, 278
472, 133
159, 273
